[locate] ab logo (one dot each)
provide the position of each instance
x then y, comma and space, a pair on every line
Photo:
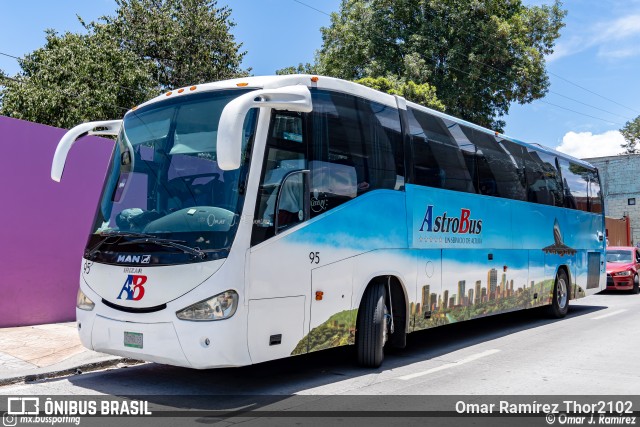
133, 288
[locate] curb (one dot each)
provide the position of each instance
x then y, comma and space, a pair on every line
74, 370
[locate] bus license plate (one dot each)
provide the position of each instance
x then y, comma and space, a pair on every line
133, 339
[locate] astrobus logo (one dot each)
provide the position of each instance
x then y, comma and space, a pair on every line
462, 223
133, 288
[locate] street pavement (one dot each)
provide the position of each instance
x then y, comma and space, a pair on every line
592, 351
591, 355
45, 351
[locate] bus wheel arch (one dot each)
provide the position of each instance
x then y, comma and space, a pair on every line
400, 310
382, 318
561, 294
571, 289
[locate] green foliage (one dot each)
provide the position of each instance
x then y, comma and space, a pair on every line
338, 330
187, 41
631, 134
423, 94
300, 69
147, 47
76, 78
480, 56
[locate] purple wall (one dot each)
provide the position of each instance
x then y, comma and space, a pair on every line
44, 225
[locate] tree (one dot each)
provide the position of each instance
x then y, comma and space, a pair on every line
148, 46
423, 94
300, 69
76, 78
480, 56
187, 41
631, 134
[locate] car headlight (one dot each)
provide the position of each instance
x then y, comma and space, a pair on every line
218, 307
623, 273
83, 302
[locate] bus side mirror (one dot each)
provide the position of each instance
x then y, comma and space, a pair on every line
109, 127
230, 128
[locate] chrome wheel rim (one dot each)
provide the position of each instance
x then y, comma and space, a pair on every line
561, 293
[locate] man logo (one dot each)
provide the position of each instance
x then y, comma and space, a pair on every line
137, 259
133, 288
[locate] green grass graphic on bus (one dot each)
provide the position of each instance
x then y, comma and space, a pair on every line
338, 330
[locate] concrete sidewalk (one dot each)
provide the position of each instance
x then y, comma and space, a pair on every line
28, 353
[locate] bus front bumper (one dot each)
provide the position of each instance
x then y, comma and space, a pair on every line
199, 345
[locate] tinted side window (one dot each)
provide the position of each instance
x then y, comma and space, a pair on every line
497, 170
581, 186
552, 177
438, 158
517, 153
543, 180
595, 196
356, 147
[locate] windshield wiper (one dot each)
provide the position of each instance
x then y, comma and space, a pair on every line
169, 243
109, 234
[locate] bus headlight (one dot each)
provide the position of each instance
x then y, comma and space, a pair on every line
83, 302
221, 306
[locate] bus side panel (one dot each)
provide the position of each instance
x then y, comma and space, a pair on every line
578, 234
478, 283
334, 312
526, 242
484, 263
447, 219
400, 263
590, 262
331, 307
277, 324
423, 308
315, 256
549, 232
540, 281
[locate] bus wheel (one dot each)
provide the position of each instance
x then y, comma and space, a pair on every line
560, 304
372, 326
636, 285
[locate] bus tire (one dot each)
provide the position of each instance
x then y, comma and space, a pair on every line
636, 285
371, 326
560, 302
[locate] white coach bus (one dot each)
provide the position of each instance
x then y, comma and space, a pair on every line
253, 219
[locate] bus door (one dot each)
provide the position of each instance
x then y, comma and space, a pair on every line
279, 275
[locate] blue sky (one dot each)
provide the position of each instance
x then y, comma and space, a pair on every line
599, 51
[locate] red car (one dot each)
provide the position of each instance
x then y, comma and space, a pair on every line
623, 263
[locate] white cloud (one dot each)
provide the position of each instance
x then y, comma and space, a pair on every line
613, 39
623, 52
620, 29
585, 144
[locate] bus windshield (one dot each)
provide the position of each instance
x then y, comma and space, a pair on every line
164, 180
